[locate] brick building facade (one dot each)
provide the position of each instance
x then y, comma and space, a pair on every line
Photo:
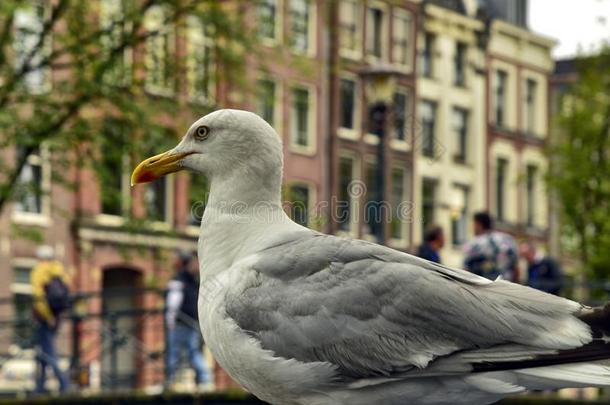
309, 78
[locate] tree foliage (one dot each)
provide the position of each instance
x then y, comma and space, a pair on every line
67, 76
581, 159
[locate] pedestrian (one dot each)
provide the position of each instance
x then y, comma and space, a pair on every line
51, 297
543, 272
182, 321
491, 253
434, 240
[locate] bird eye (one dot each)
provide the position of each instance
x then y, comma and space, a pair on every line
202, 133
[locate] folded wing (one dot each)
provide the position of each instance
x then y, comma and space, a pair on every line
372, 311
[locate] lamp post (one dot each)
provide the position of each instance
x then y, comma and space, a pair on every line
380, 83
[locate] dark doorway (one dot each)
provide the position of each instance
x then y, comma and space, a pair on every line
120, 335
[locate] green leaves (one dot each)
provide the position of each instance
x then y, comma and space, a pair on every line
581, 164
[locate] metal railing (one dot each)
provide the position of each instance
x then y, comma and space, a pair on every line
110, 340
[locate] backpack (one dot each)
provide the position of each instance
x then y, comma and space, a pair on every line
58, 295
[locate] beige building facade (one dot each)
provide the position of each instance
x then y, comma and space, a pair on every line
482, 126
519, 64
450, 164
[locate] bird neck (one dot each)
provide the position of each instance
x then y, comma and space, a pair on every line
242, 190
242, 215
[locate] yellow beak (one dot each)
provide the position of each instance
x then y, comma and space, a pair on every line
157, 166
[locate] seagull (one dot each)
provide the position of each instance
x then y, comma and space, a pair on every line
300, 317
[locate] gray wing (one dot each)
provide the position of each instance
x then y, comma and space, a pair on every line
373, 311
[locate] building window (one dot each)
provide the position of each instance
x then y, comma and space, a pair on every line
373, 201
159, 49
299, 17
111, 168
156, 198
401, 38
301, 117
427, 55
375, 27
501, 184
299, 203
401, 105
349, 25
428, 203
28, 25
530, 105
500, 98
265, 104
199, 190
23, 333
348, 104
267, 19
459, 64
459, 216
428, 122
199, 61
531, 175
30, 184
345, 205
116, 28
460, 130
397, 226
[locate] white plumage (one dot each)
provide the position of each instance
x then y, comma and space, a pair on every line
298, 317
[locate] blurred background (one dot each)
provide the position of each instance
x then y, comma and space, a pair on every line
401, 120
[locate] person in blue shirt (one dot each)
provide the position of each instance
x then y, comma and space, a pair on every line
182, 322
434, 240
543, 273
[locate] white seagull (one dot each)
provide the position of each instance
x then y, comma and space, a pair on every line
299, 317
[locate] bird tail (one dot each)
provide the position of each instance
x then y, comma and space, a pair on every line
585, 366
512, 382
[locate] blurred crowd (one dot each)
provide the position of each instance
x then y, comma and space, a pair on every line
493, 254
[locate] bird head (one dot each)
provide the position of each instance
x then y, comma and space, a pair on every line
221, 144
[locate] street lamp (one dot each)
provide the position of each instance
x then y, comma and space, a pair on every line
380, 84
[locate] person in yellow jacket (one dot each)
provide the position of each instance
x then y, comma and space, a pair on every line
49, 290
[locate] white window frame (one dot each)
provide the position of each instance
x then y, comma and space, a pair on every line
465, 196
109, 11
118, 220
385, 40
402, 14
191, 229
311, 29
530, 114
23, 262
395, 143
311, 197
536, 192
348, 53
196, 40
168, 222
352, 133
153, 20
277, 102
310, 148
26, 17
354, 203
432, 53
504, 98
278, 28
368, 159
506, 217
42, 218
458, 109
403, 241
